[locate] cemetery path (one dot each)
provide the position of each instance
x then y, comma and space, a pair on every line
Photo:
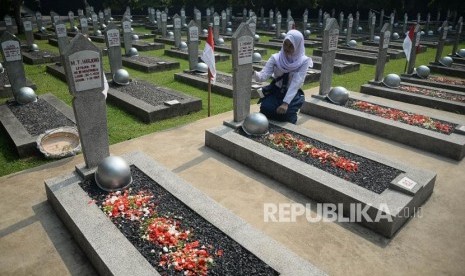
33, 241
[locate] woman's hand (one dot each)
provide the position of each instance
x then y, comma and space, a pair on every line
282, 109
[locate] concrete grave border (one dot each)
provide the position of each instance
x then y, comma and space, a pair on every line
158, 65
144, 46
352, 55
149, 113
49, 57
99, 238
379, 90
24, 142
185, 55
452, 146
448, 71
322, 186
218, 88
426, 82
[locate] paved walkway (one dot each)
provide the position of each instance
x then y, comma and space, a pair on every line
33, 241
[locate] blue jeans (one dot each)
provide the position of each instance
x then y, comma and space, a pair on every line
272, 101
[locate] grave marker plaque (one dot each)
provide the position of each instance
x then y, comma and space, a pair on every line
458, 33
381, 19
442, 39
290, 23
198, 18
164, 19
304, 21
62, 36
84, 73
177, 30
183, 16
101, 18
278, 25
84, 25
39, 21
27, 24
242, 51
271, 19
9, 24
13, 61
95, 23
252, 24
193, 44
71, 20
341, 21
372, 27
208, 14
127, 36
216, 27
382, 51
350, 23
112, 39
330, 40
223, 22
413, 51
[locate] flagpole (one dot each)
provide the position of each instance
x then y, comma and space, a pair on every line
209, 91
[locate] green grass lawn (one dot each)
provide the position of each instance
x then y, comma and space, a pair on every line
123, 126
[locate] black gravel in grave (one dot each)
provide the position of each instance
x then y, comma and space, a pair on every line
4, 79
41, 54
145, 92
220, 78
39, 116
452, 126
236, 260
147, 60
371, 175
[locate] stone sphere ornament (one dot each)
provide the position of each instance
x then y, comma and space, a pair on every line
133, 52
338, 95
112, 174
256, 57
170, 35
42, 29
183, 46
25, 95
359, 29
256, 38
229, 24
395, 36
220, 41
34, 48
392, 80
423, 71
430, 33
307, 33
1, 68
446, 61
273, 26
228, 31
75, 28
204, 32
121, 77
422, 33
98, 33
352, 43
309, 25
461, 53
283, 35
103, 26
376, 39
255, 124
201, 67
135, 37
344, 31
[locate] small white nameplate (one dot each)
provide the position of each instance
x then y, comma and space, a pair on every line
172, 102
407, 183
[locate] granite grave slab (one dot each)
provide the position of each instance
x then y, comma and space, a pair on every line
352, 55
152, 103
456, 70
47, 113
436, 81
40, 57
409, 188
447, 100
149, 64
144, 46
99, 238
222, 86
185, 55
449, 144
396, 45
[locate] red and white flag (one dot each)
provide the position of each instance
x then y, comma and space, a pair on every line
408, 42
208, 55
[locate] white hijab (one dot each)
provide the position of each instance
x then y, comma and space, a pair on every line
292, 63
